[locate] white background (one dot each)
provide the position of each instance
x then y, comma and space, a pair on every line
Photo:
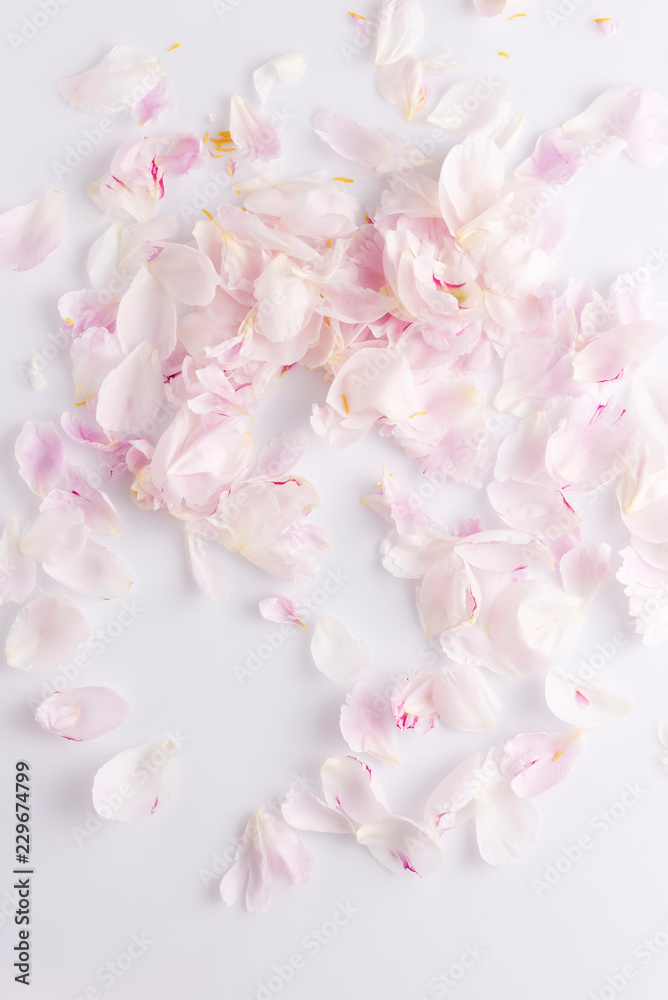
245, 743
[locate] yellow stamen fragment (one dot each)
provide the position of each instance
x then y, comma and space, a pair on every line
513, 16
601, 20
303, 624
366, 218
206, 136
557, 755
70, 321
419, 413
345, 403
230, 169
359, 16
346, 180
172, 47
329, 241
504, 54
82, 403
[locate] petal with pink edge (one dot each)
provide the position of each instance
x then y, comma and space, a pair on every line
413, 702
351, 786
448, 597
278, 608
535, 762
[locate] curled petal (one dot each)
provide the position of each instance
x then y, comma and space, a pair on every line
401, 845
82, 713
286, 68
413, 702
535, 762
351, 786
137, 782
582, 702
305, 811
336, 653
448, 597
46, 634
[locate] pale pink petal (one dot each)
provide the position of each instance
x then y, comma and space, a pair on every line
401, 84
30, 233
94, 353
147, 314
270, 859
109, 86
17, 567
351, 786
535, 762
161, 97
210, 573
286, 68
471, 181
58, 534
586, 703
186, 272
464, 700
179, 153
278, 608
137, 782
555, 159
367, 724
413, 703
94, 572
607, 26
82, 713
253, 132
501, 550
452, 801
46, 634
489, 114
633, 119
40, 455
533, 508
490, 8
521, 455
448, 597
591, 445
585, 569
617, 352
401, 845
336, 653
133, 393
374, 151
401, 25
134, 185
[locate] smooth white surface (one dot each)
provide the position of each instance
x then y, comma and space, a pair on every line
246, 743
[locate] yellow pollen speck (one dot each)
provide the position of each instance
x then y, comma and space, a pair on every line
505, 54
82, 403
513, 16
419, 413
346, 180
206, 136
70, 321
600, 20
172, 47
359, 16
366, 218
557, 755
329, 241
345, 403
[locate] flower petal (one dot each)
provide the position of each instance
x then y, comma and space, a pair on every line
94, 572
367, 725
336, 653
30, 233
351, 786
46, 634
583, 702
401, 845
40, 454
464, 699
82, 713
137, 782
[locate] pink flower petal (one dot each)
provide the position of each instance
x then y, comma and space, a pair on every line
30, 233
367, 724
82, 713
40, 454
137, 782
46, 634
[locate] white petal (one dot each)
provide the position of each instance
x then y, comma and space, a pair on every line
585, 569
305, 811
136, 783
286, 68
17, 569
147, 313
451, 802
448, 597
506, 825
46, 634
336, 653
351, 786
464, 699
401, 24
582, 702
211, 574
